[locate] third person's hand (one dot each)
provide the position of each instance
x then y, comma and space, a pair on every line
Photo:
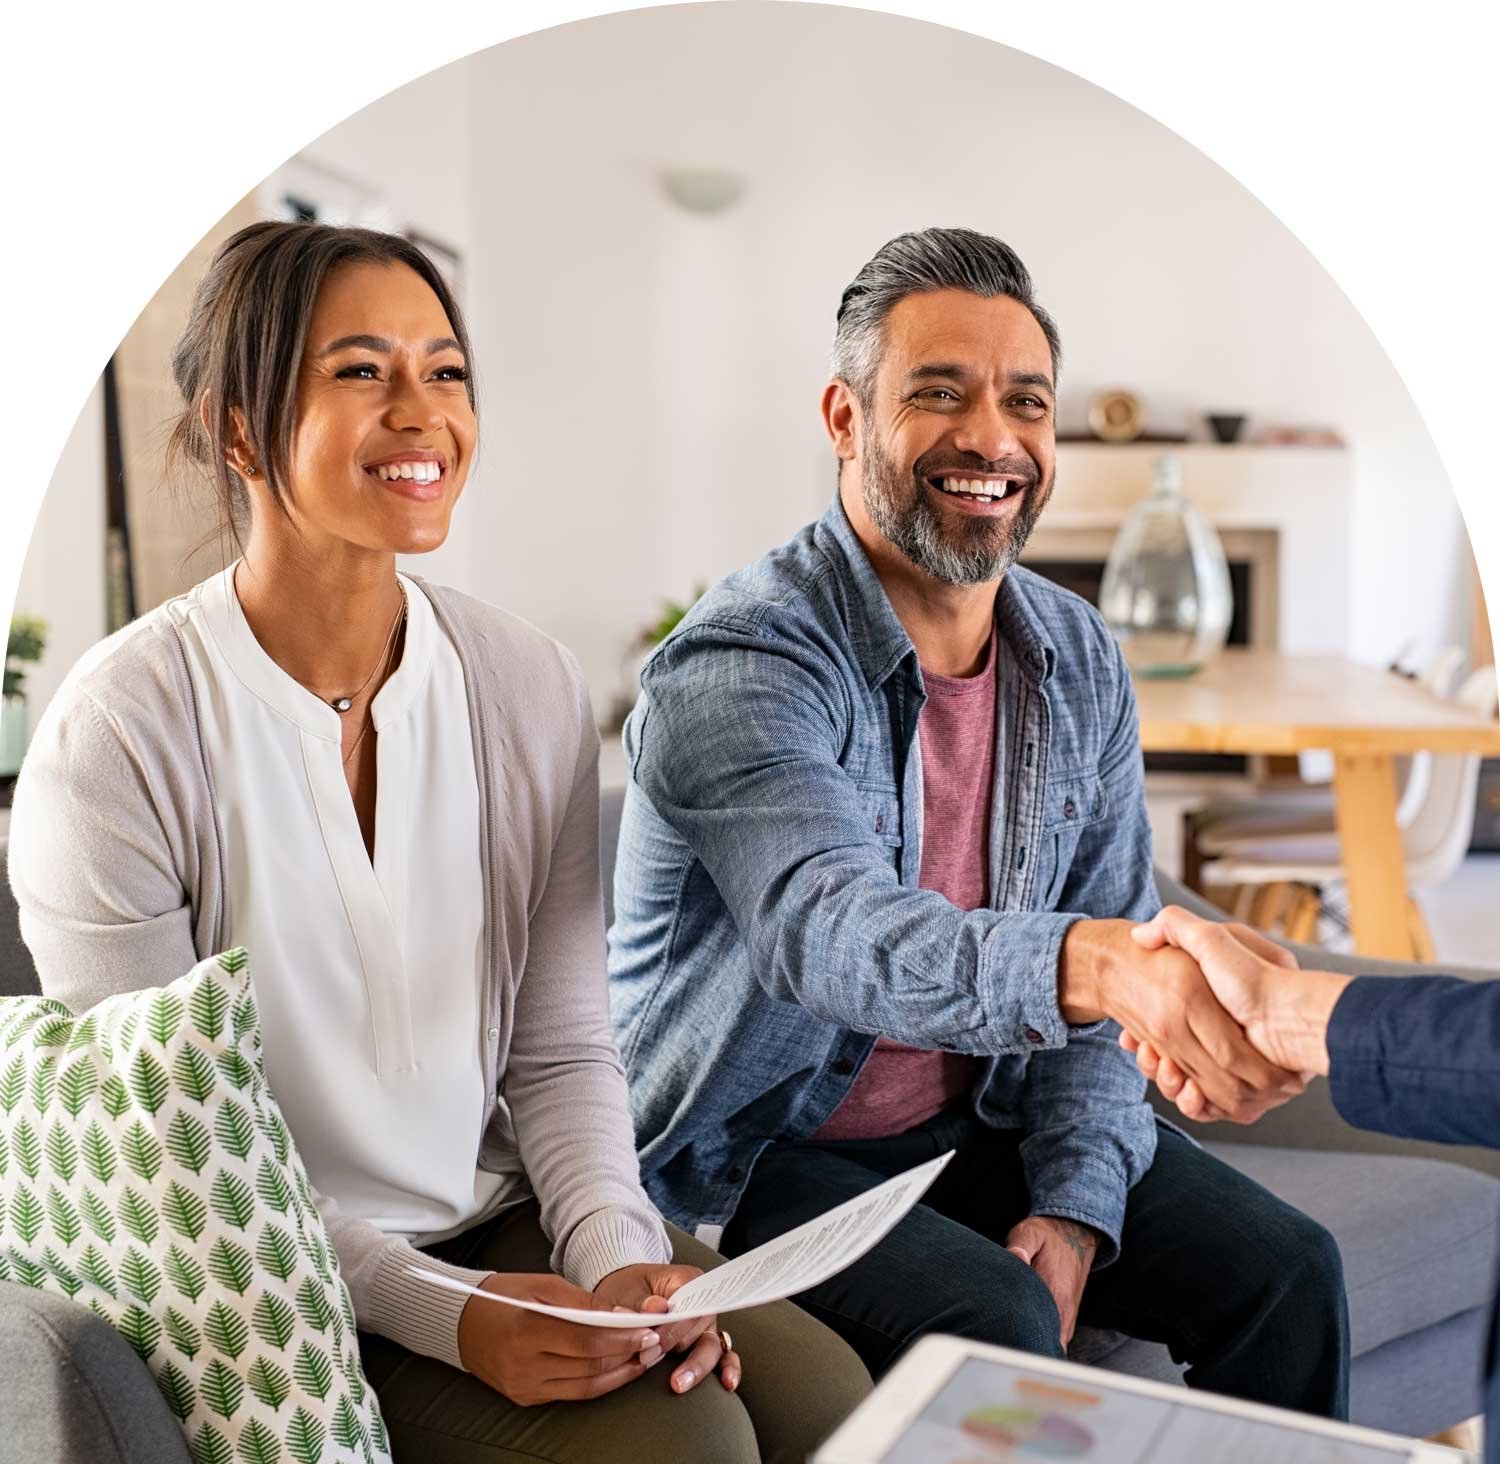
1247, 971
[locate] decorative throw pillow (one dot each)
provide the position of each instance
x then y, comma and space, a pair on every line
146, 1172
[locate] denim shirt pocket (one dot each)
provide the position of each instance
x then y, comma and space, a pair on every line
1071, 804
882, 813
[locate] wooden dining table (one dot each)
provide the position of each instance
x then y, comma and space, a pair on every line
1271, 703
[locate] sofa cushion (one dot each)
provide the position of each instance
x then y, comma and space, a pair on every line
146, 1172
1418, 1237
1424, 1381
1427, 1380
611, 807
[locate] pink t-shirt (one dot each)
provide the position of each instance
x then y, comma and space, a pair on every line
899, 1086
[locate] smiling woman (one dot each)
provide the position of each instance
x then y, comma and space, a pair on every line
388, 793
328, 368
308, 343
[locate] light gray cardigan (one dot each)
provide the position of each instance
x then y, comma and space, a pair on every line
117, 862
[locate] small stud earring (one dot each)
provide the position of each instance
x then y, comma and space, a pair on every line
249, 470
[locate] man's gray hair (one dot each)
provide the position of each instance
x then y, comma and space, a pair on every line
931, 259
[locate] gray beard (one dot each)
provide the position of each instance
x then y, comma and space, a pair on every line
973, 553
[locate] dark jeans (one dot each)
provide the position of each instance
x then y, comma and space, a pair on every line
1240, 1286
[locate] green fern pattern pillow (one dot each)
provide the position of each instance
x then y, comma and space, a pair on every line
146, 1172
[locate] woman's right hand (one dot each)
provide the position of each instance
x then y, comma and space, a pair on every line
532, 1358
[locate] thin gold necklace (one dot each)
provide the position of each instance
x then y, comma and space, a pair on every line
343, 703
384, 660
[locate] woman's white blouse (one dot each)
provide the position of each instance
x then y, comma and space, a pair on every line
367, 976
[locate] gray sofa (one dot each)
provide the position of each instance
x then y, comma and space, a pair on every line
1417, 1225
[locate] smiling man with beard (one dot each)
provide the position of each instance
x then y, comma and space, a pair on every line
882, 848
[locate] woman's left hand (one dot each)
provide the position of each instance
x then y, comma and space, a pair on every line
645, 1288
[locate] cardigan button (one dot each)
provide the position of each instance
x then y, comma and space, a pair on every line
1034, 1037
494, 1034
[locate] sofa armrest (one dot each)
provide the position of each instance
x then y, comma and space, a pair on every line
1311, 1121
75, 1391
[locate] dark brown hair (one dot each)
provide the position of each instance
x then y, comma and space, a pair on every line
244, 341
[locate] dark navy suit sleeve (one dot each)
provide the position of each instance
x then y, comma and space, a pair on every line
1418, 1057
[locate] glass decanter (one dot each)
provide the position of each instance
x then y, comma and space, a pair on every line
1166, 593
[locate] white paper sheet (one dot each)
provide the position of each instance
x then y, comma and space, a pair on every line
796, 1261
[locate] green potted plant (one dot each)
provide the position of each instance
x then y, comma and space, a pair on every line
28, 639
638, 649
671, 615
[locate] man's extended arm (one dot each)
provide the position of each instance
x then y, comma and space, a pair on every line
737, 746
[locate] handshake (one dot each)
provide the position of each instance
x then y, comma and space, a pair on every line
1220, 1017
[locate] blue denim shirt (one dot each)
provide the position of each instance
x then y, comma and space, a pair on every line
768, 919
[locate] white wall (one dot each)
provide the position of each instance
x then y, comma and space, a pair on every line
652, 377
414, 149
62, 577
649, 379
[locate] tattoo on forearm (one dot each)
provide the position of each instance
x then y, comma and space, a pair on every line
1082, 1241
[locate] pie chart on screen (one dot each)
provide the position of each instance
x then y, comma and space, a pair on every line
1028, 1433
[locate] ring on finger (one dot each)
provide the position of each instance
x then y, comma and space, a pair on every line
726, 1341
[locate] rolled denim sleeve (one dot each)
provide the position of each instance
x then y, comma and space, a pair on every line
1090, 1134
736, 743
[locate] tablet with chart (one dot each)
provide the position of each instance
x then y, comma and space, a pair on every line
950, 1401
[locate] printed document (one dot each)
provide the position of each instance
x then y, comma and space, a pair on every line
793, 1262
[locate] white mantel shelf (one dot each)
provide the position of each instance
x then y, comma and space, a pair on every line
1234, 484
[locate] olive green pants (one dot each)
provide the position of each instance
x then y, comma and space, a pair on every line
799, 1382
